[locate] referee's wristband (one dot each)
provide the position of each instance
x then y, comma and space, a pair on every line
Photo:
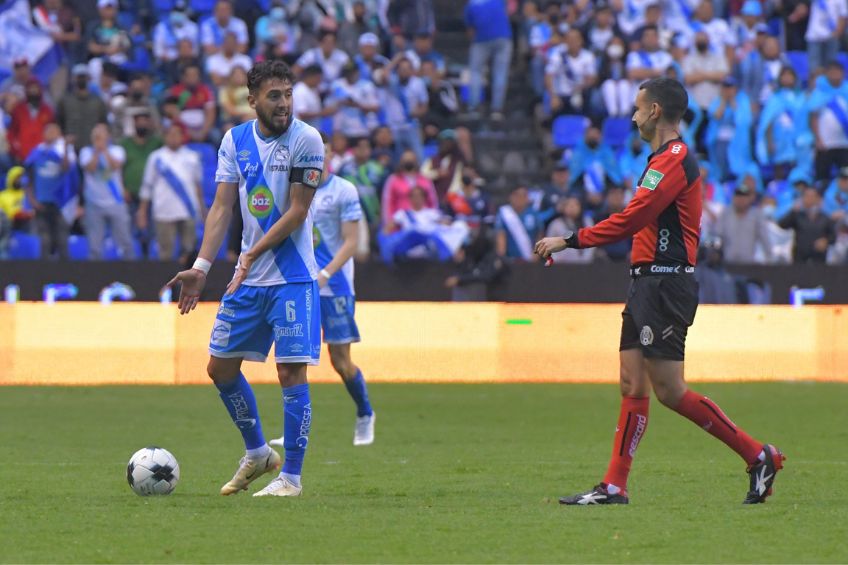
202, 265
325, 274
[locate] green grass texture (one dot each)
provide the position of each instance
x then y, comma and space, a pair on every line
458, 474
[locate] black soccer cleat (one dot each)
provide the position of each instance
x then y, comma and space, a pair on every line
762, 475
598, 495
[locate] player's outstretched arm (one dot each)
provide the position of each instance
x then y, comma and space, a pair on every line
300, 197
193, 280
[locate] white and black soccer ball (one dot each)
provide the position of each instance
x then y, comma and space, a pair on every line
153, 470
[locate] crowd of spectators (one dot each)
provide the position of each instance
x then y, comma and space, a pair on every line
768, 116
113, 156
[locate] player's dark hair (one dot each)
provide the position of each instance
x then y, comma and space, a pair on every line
268, 70
650, 27
324, 137
669, 95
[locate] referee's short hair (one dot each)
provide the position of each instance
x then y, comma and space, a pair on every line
670, 95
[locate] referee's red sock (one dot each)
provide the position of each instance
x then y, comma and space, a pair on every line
710, 417
632, 423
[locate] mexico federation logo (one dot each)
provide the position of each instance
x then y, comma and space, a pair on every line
260, 201
646, 337
316, 236
312, 177
651, 179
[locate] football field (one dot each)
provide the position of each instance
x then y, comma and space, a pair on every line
458, 473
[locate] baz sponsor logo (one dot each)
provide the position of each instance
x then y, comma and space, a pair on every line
646, 337
651, 179
260, 202
221, 333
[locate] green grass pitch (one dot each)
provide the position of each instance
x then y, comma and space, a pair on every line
459, 473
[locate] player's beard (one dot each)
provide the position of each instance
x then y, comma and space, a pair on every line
267, 119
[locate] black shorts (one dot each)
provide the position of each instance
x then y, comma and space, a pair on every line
657, 315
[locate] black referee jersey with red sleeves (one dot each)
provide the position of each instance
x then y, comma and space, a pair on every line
664, 213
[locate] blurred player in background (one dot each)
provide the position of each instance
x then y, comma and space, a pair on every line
664, 215
336, 213
272, 167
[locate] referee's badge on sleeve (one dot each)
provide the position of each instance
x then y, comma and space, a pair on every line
651, 179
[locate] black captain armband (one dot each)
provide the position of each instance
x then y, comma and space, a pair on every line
309, 177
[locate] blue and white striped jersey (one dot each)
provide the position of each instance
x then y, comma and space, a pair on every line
261, 167
335, 202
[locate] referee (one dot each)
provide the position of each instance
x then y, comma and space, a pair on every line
664, 219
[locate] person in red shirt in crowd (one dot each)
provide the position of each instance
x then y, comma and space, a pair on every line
196, 104
28, 120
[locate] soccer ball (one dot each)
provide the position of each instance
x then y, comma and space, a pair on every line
153, 470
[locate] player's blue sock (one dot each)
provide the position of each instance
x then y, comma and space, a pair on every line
296, 424
359, 393
241, 404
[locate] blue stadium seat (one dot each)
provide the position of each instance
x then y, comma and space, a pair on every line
78, 249
110, 250
798, 60
842, 57
162, 7
326, 125
24, 246
616, 131
209, 161
567, 130
202, 7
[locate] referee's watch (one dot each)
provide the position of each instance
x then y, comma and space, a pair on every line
570, 239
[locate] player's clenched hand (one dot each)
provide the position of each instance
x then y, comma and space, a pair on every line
191, 283
245, 261
548, 246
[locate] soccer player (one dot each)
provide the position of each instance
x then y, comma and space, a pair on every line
664, 215
336, 212
272, 166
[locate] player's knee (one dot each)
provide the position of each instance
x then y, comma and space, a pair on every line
669, 394
340, 360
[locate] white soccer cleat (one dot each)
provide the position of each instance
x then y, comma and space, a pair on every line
363, 432
279, 442
280, 486
251, 469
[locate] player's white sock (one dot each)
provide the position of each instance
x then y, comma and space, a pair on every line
612, 489
293, 479
259, 452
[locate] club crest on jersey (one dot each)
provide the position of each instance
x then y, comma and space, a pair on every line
260, 201
281, 159
312, 177
651, 179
